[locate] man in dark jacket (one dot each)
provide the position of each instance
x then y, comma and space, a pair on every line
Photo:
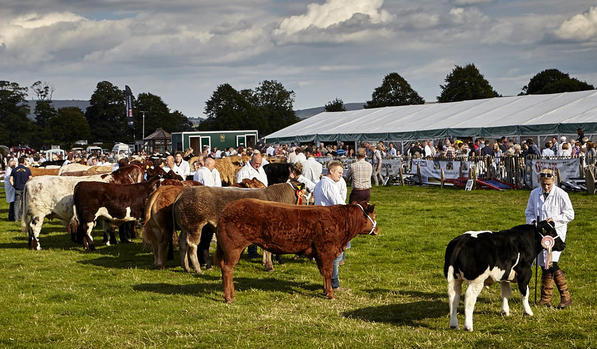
18, 177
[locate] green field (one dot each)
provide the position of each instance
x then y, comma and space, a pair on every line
65, 297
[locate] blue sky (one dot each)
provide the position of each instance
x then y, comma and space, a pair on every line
182, 50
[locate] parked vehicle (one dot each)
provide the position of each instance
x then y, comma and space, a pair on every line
121, 148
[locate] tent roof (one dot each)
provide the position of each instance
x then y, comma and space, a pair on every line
158, 134
519, 115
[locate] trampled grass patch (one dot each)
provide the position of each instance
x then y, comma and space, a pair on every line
65, 297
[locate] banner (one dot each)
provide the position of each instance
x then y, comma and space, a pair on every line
432, 168
569, 168
128, 101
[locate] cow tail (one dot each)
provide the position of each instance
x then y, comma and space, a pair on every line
24, 211
73, 225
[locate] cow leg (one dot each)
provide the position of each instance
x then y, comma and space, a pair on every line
325, 269
524, 276
470, 298
227, 262
87, 238
267, 261
34, 228
506, 291
182, 245
192, 252
454, 291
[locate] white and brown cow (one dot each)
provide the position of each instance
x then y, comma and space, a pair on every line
116, 203
483, 257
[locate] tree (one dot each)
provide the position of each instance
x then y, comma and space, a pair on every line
15, 127
554, 81
394, 90
106, 114
335, 105
275, 106
157, 115
68, 126
465, 83
43, 90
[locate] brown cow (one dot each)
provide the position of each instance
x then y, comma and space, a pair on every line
158, 230
319, 232
41, 171
229, 167
196, 207
114, 202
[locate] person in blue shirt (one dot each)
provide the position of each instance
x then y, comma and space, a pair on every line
18, 177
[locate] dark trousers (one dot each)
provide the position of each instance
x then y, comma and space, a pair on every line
359, 195
203, 249
11, 212
18, 204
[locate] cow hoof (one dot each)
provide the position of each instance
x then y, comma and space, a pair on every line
468, 329
454, 327
505, 313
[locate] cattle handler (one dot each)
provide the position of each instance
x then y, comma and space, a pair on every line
548, 202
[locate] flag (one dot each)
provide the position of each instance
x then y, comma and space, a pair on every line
128, 100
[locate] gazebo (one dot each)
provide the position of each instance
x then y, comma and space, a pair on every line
158, 141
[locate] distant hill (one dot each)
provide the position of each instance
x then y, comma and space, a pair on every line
57, 104
306, 113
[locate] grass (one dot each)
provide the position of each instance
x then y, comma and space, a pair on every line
65, 297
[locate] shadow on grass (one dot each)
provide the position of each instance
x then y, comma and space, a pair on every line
240, 284
401, 313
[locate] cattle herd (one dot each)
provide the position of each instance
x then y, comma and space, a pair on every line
250, 213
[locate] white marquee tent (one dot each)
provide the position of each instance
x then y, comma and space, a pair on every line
531, 115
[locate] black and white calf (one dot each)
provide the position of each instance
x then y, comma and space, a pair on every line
483, 257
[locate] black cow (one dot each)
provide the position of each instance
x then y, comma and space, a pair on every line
278, 172
117, 203
483, 257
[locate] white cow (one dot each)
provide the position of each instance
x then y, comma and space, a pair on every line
49, 196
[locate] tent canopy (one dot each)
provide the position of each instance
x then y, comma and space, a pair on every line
560, 113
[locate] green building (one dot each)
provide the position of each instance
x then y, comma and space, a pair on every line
220, 139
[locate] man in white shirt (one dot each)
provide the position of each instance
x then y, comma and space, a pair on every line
253, 169
270, 151
547, 150
208, 175
311, 168
300, 157
181, 166
291, 159
327, 193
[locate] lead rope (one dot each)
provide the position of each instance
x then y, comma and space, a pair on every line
374, 223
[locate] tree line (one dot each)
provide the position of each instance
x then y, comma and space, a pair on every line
462, 83
267, 108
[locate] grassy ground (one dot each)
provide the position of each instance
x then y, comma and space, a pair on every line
65, 297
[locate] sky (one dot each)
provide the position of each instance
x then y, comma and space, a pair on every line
182, 50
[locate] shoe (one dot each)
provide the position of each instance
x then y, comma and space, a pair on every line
341, 289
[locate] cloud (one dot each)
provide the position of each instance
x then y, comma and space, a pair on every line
335, 20
470, 2
582, 27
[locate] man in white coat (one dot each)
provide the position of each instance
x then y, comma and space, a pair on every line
548, 202
9, 189
253, 169
327, 193
181, 166
209, 176
311, 168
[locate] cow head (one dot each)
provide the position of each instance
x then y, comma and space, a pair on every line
545, 228
369, 212
299, 191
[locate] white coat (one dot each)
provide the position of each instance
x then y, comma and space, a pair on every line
556, 206
8, 188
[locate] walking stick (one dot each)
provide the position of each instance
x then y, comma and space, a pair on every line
536, 272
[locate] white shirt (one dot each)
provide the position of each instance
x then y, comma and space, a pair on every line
271, 151
547, 152
291, 157
312, 170
342, 188
300, 157
556, 206
392, 152
327, 192
428, 151
309, 185
208, 178
249, 172
183, 169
